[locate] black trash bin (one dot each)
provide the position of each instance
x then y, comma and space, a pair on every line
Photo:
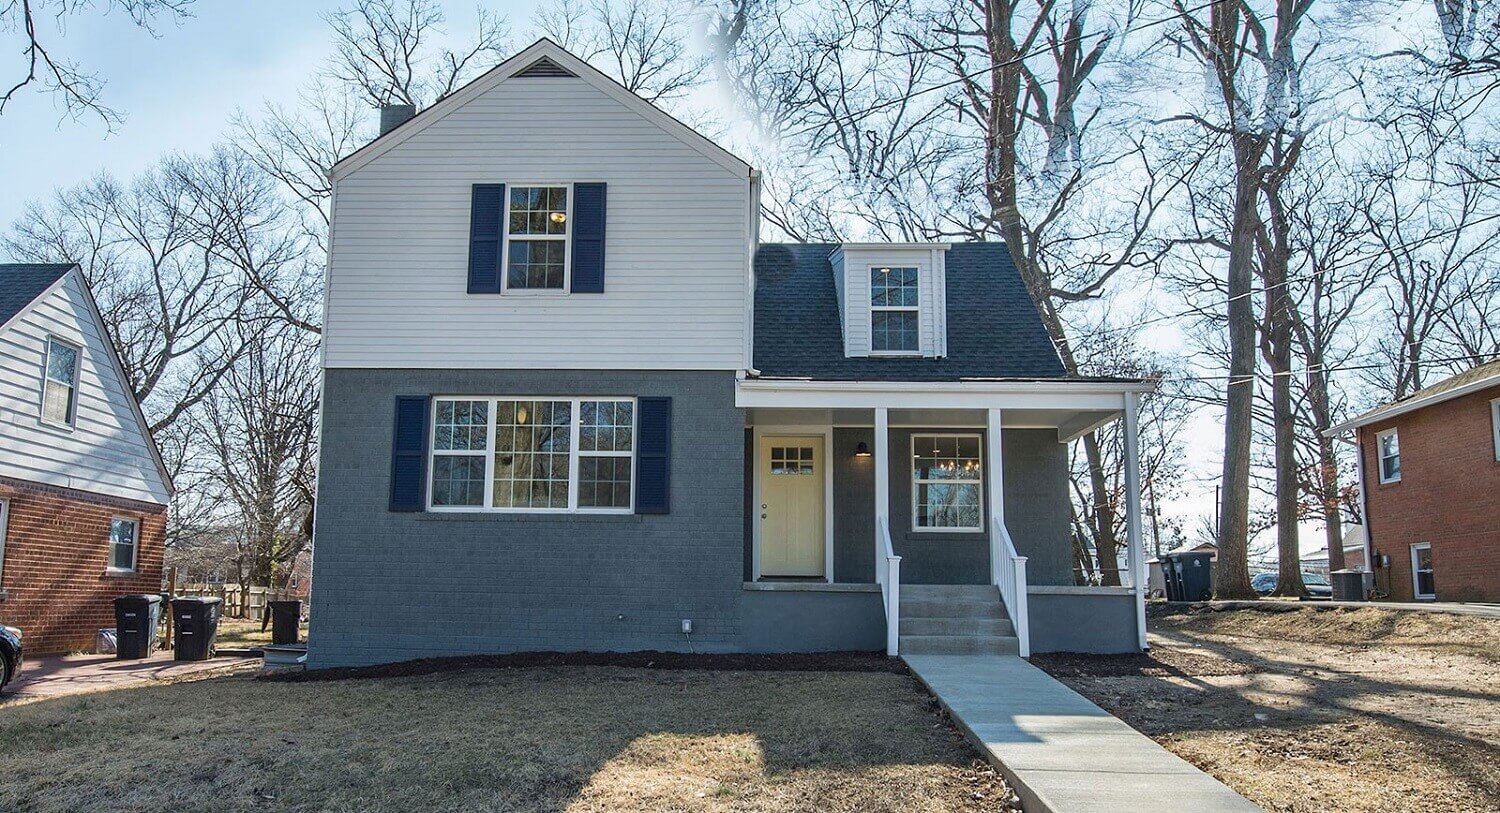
196, 621
286, 616
136, 618
1348, 585
1190, 580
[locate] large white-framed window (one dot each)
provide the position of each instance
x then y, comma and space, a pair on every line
1422, 584
1495, 425
60, 382
124, 540
536, 237
1388, 456
895, 311
947, 482
533, 454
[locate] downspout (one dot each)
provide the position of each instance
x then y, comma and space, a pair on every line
753, 245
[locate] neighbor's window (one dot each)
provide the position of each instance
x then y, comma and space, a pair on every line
60, 383
1388, 447
123, 535
537, 229
1495, 424
532, 454
4, 518
893, 310
947, 482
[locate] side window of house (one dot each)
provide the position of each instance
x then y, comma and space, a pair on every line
894, 310
1388, 447
1495, 425
4, 522
947, 483
537, 227
124, 536
60, 383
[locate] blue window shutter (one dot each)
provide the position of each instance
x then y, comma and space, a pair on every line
409, 454
653, 456
486, 220
588, 238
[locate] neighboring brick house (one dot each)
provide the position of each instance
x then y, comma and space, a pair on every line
1430, 473
83, 492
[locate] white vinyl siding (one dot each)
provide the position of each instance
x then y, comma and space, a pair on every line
104, 451
676, 242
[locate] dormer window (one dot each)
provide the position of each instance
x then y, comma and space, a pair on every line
537, 228
894, 311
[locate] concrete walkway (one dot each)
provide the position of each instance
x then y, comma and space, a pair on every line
1451, 607
1060, 752
59, 675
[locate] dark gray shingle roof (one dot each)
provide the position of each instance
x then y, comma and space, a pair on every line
993, 327
20, 283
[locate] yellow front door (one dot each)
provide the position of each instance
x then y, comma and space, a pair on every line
791, 509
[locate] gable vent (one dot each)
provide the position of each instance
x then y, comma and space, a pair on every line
546, 68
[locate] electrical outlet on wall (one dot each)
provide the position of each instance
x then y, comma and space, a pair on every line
687, 626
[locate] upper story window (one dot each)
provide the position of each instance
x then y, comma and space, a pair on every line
1388, 451
533, 454
124, 534
947, 483
894, 310
60, 383
537, 232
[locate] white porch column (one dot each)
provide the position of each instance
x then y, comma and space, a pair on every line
994, 475
1136, 558
882, 481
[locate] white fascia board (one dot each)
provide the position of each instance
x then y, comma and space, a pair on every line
895, 246
1066, 395
1383, 413
541, 48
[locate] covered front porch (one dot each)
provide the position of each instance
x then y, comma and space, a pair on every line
877, 487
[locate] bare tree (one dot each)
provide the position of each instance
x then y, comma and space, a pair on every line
79, 91
259, 430
385, 51
644, 44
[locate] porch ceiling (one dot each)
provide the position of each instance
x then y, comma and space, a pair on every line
1069, 423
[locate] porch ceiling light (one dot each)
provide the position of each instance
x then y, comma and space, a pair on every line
862, 450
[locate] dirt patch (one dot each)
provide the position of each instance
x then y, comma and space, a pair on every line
1363, 710
649, 659
590, 738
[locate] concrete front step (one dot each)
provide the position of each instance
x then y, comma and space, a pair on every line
967, 592
951, 608
920, 625
959, 645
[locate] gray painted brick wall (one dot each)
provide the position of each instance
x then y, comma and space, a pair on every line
391, 586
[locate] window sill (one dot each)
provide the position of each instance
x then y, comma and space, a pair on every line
115, 572
527, 516
55, 426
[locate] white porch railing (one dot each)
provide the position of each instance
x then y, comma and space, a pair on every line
1009, 574
888, 573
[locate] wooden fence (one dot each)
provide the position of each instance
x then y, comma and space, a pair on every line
240, 601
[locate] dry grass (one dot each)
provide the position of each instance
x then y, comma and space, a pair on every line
243, 633
557, 738
1367, 710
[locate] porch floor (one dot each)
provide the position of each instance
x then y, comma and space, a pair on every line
1060, 752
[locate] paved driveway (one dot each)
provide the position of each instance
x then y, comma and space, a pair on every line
58, 675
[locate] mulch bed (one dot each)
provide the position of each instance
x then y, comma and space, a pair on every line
797, 662
1157, 662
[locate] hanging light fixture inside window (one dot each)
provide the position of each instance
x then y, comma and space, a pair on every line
559, 217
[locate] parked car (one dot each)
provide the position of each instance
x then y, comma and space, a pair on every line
1316, 583
10, 654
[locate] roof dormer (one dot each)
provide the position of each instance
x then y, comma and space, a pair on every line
892, 299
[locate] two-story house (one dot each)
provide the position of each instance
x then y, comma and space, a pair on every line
1429, 474
571, 402
83, 492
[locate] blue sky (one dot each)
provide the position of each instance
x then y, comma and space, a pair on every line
177, 90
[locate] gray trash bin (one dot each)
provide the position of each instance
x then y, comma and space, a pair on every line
1348, 585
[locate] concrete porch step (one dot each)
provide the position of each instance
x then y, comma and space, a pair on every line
951, 608
964, 592
965, 625
959, 645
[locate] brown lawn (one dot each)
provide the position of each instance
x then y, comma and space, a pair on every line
1308, 709
574, 738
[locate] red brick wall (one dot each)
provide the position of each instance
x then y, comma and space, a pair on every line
1448, 496
56, 586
